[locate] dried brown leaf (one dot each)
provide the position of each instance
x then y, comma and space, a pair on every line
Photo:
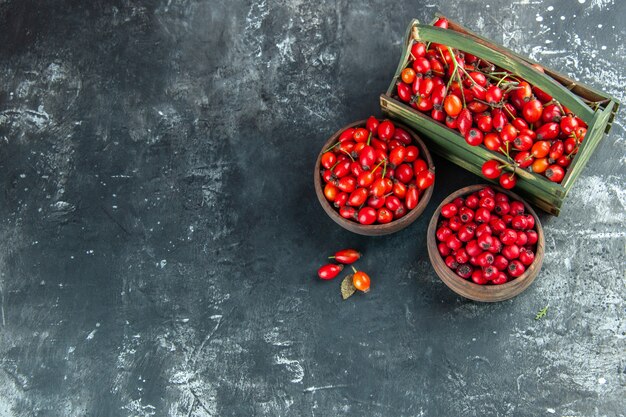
347, 288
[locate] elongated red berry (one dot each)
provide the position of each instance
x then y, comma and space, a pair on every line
329, 271
347, 256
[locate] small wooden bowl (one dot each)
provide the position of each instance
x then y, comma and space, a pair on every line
468, 289
373, 229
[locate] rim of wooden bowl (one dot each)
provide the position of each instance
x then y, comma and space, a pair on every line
374, 229
468, 289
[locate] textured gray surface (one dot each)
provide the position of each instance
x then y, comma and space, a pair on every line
159, 233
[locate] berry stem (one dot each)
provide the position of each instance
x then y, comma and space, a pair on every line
502, 79
336, 144
376, 167
509, 112
354, 269
559, 106
348, 153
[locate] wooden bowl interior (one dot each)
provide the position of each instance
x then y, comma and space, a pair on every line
468, 289
374, 229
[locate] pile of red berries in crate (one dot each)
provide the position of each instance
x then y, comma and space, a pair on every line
491, 107
487, 237
374, 174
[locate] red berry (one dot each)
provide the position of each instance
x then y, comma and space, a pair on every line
372, 124
329, 271
548, 131
455, 223
526, 257
483, 229
532, 111
443, 249
367, 215
472, 248
472, 201
477, 277
466, 233
497, 224
516, 268
466, 214
568, 124
485, 259
404, 173
555, 173
347, 212
487, 202
451, 262
442, 22
491, 169
508, 181
449, 210
519, 222
474, 137
402, 136
490, 273
522, 239
421, 65
453, 243
510, 252
508, 237
500, 262
501, 279
349, 133
482, 215
412, 197
493, 95
384, 215
464, 271
502, 208
443, 233
386, 130
461, 256
411, 153
418, 49
425, 179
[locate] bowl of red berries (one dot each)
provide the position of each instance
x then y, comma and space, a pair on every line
374, 177
485, 243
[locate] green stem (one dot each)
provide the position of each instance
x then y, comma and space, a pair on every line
336, 144
354, 269
456, 72
559, 106
348, 153
502, 79
508, 111
461, 88
377, 166
369, 138
494, 105
451, 79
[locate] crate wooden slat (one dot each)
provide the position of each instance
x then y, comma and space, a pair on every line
535, 188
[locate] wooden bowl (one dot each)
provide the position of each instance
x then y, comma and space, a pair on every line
373, 229
468, 289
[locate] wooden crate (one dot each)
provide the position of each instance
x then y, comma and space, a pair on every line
595, 108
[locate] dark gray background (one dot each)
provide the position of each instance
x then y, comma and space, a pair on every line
160, 235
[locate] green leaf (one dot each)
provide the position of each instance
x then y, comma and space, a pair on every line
542, 313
